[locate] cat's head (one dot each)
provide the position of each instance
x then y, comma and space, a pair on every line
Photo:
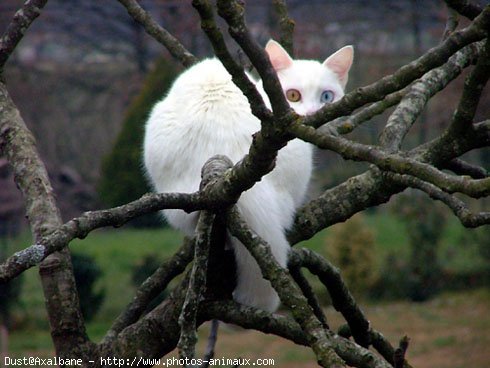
308, 84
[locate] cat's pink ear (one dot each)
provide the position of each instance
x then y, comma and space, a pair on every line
279, 57
340, 62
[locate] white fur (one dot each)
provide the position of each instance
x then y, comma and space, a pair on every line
205, 114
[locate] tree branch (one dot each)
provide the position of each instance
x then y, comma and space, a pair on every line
81, 226
308, 292
433, 58
396, 163
319, 339
473, 88
342, 299
233, 13
465, 7
195, 289
159, 33
286, 327
451, 23
208, 25
461, 167
347, 124
67, 326
458, 207
150, 288
414, 101
17, 28
286, 26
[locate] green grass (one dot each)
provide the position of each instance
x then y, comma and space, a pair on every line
118, 251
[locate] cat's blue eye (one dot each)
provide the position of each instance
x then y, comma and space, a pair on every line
327, 97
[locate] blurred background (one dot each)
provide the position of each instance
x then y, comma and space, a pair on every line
85, 77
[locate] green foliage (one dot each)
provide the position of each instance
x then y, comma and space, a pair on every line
392, 282
352, 250
86, 273
419, 277
122, 178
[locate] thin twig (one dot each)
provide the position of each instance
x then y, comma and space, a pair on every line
150, 288
289, 293
21, 21
461, 167
308, 292
451, 23
286, 26
465, 7
433, 58
196, 288
342, 299
159, 33
457, 206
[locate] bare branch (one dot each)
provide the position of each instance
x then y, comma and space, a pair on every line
233, 13
308, 292
342, 299
195, 289
375, 187
81, 226
340, 203
67, 326
457, 206
286, 25
286, 327
347, 124
214, 34
159, 33
419, 93
150, 288
451, 23
399, 356
319, 338
405, 75
465, 7
461, 167
474, 85
17, 28
393, 162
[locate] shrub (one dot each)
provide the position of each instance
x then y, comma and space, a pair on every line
425, 222
351, 248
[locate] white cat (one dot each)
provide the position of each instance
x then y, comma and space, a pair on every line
205, 114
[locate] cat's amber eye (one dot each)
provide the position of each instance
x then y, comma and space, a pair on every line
293, 95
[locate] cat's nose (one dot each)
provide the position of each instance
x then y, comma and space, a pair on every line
311, 110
